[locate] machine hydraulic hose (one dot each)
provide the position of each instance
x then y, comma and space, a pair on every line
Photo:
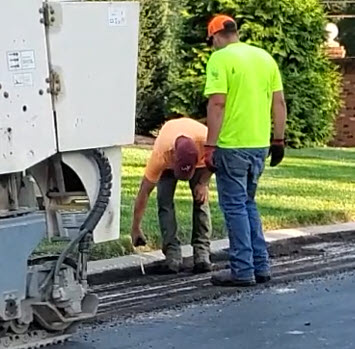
84, 237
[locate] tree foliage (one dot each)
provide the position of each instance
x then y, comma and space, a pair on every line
154, 65
293, 32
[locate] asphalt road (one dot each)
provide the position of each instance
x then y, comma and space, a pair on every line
318, 313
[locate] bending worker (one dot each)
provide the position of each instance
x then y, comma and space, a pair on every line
244, 87
178, 154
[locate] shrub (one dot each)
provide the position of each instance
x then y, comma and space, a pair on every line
154, 65
293, 32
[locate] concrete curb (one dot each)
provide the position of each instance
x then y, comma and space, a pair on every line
131, 263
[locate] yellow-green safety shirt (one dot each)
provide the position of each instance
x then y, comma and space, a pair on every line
248, 76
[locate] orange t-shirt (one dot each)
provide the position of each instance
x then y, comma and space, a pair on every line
163, 152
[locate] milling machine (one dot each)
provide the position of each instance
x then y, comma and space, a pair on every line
67, 105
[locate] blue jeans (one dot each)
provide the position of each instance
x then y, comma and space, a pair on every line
238, 172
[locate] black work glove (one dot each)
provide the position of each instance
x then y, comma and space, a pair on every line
277, 151
209, 151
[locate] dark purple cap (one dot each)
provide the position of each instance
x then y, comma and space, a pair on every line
186, 158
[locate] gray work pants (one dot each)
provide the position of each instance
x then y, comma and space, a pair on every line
201, 217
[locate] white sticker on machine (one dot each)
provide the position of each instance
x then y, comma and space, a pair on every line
24, 79
117, 16
28, 60
21, 60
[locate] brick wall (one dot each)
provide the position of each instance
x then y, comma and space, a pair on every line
345, 123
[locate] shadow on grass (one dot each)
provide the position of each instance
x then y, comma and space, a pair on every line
134, 164
290, 217
313, 193
333, 173
333, 154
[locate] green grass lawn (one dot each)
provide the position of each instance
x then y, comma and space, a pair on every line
311, 187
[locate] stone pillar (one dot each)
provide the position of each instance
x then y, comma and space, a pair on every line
333, 48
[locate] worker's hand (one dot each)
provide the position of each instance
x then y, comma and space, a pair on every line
201, 193
277, 151
138, 238
209, 162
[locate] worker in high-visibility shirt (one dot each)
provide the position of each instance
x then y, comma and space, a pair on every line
244, 88
178, 154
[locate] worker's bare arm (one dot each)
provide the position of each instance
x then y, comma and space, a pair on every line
279, 113
139, 208
215, 114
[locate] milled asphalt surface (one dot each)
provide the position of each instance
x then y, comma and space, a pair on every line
99, 271
318, 313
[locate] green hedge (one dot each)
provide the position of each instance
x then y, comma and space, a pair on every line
154, 65
293, 32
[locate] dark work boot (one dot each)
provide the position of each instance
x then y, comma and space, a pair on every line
173, 262
202, 267
262, 278
170, 267
174, 265
202, 261
225, 278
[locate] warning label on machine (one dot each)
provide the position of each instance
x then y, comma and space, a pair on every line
23, 79
21, 60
